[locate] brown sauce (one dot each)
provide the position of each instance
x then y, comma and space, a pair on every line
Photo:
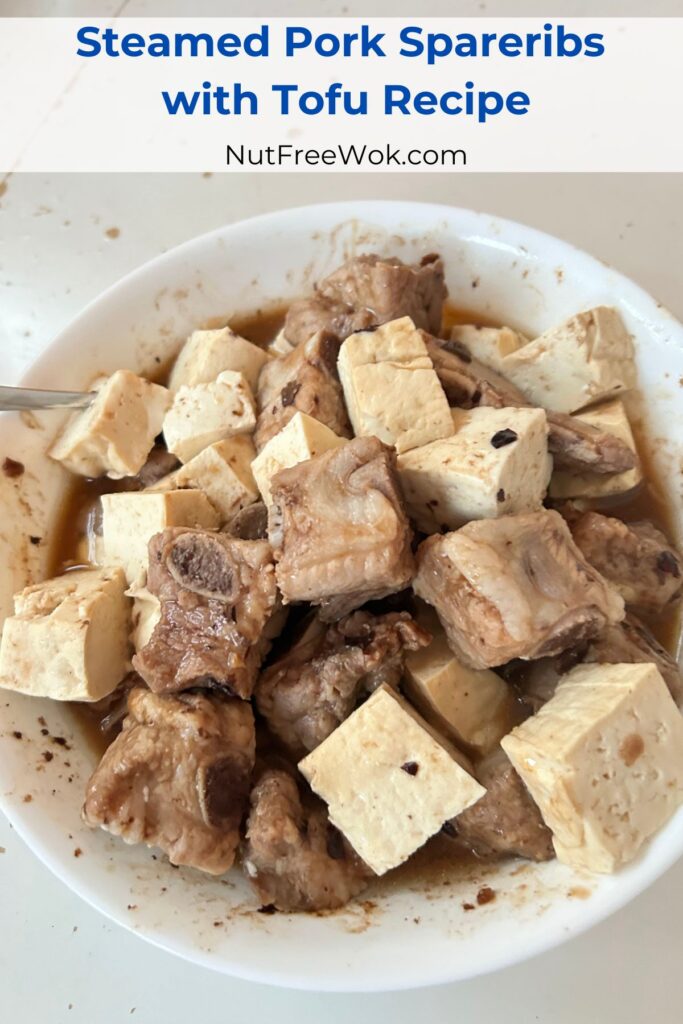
89, 721
440, 860
73, 522
262, 326
454, 315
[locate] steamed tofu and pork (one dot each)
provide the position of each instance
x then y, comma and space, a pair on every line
377, 579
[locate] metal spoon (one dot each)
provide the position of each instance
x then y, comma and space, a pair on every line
13, 399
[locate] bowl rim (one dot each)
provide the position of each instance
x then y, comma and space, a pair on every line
351, 210
469, 225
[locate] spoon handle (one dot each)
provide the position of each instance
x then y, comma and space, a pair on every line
13, 399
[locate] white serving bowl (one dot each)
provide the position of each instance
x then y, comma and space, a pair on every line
395, 937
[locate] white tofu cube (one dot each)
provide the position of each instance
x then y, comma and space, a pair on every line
222, 471
612, 418
496, 463
206, 413
145, 614
603, 759
474, 708
391, 388
68, 638
388, 780
116, 433
280, 346
206, 354
571, 366
301, 439
490, 345
131, 518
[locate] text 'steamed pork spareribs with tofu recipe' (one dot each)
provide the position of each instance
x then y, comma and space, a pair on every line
375, 578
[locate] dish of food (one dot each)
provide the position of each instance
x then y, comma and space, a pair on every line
366, 585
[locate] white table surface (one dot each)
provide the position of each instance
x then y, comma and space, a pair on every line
59, 960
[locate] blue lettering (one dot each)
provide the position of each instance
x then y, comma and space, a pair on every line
180, 103
83, 36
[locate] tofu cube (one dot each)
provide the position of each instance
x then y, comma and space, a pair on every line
145, 614
131, 518
490, 345
389, 781
496, 463
603, 759
473, 707
206, 413
587, 358
391, 388
280, 346
116, 433
301, 439
206, 354
222, 471
610, 417
68, 638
